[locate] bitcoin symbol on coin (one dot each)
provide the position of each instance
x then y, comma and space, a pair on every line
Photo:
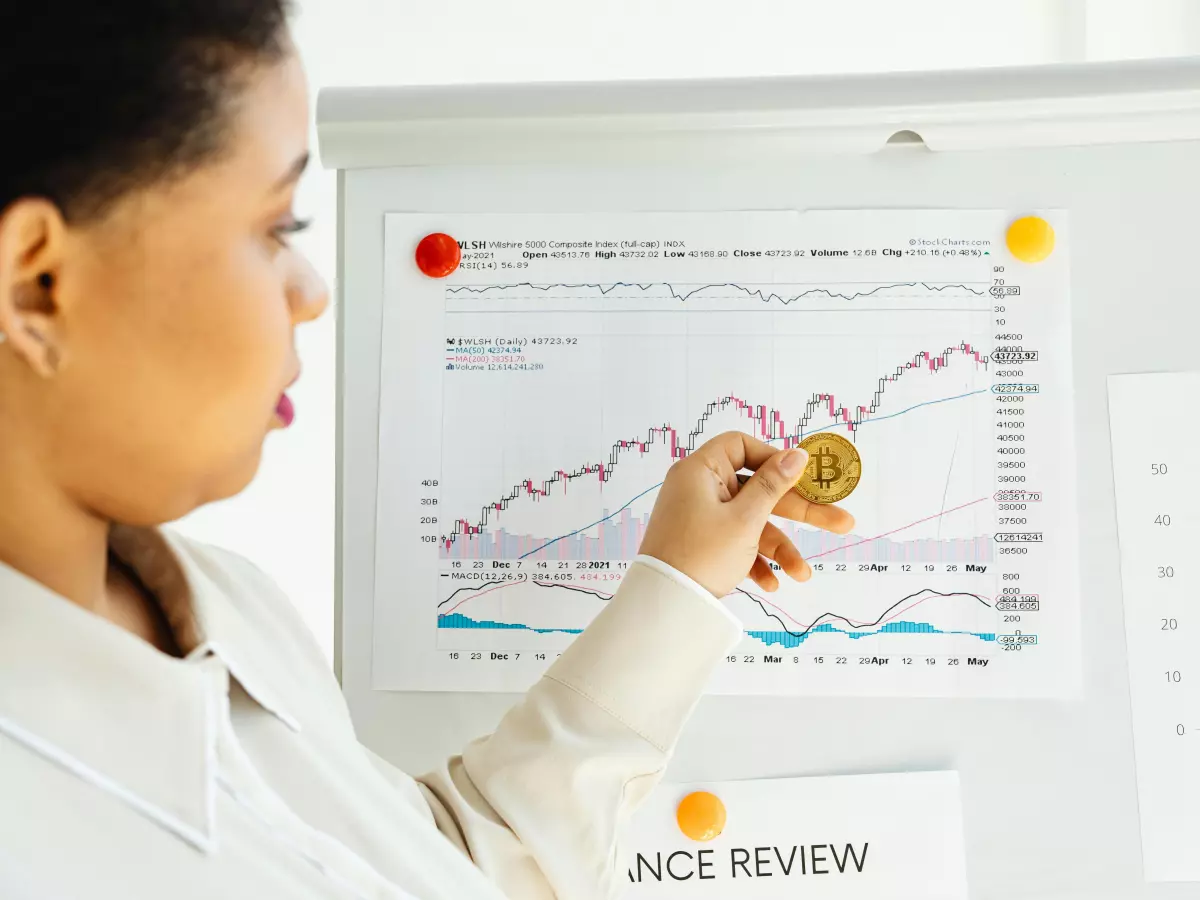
827, 468
833, 470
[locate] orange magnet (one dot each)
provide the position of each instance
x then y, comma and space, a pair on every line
438, 255
1030, 239
701, 816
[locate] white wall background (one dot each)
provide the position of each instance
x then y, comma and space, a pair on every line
284, 521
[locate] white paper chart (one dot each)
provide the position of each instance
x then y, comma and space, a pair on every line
532, 401
1157, 479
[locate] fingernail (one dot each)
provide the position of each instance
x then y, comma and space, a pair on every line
793, 462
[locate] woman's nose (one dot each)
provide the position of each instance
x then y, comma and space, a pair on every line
307, 293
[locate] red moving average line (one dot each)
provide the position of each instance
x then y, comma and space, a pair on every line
814, 556
500, 587
853, 622
894, 530
757, 597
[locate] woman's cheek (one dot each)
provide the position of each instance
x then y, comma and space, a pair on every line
261, 329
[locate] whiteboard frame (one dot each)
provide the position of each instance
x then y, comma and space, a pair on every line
653, 121
706, 120
407, 136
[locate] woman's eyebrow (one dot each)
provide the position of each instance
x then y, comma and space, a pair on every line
293, 173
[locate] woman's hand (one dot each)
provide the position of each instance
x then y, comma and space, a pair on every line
715, 530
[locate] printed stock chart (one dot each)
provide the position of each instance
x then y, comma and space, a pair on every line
533, 401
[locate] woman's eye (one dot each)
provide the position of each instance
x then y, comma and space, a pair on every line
284, 230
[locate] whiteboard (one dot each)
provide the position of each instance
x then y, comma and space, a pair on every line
1049, 787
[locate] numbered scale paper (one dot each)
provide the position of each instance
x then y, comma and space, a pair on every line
532, 401
1158, 522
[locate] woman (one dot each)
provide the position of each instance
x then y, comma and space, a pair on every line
167, 727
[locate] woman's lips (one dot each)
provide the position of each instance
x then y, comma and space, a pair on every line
285, 411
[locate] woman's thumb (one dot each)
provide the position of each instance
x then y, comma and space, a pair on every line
774, 478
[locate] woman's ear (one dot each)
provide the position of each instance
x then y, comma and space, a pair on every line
32, 245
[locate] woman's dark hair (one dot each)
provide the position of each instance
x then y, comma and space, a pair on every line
109, 95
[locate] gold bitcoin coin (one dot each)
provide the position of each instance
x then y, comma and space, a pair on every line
833, 469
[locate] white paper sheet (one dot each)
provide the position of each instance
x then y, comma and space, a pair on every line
874, 837
532, 401
1156, 470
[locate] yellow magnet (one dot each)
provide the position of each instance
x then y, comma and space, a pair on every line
701, 816
1030, 239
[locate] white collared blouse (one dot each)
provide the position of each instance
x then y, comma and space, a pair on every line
235, 772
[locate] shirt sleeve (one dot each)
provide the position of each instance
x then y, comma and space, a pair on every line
687, 581
539, 804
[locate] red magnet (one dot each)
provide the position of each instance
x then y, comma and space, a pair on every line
438, 255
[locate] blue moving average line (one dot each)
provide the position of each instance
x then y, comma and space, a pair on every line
765, 297
771, 440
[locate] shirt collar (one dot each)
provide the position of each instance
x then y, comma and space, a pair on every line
95, 699
200, 599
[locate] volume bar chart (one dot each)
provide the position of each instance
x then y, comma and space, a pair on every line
618, 537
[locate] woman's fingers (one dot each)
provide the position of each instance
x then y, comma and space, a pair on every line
774, 544
708, 519
768, 485
714, 460
825, 516
732, 451
761, 574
